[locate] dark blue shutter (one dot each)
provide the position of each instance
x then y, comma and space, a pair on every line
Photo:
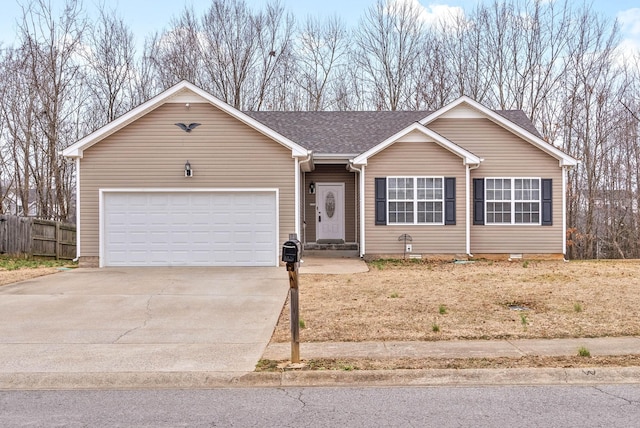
547, 208
381, 201
478, 201
449, 200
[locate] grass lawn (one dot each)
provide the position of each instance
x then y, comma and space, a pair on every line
428, 301
482, 300
14, 269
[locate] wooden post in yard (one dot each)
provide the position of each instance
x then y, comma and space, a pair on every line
292, 269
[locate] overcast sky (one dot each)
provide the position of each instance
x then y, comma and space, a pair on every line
147, 16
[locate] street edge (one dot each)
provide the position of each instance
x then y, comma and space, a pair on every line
320, 378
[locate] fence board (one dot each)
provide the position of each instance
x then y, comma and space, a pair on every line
24, 236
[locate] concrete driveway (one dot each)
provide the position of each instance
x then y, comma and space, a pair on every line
136, 322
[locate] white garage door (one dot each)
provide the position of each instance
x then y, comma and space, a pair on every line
189, 229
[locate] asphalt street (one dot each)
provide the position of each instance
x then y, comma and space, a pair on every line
523, 406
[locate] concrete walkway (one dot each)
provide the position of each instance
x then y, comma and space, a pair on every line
605, 346
333, 266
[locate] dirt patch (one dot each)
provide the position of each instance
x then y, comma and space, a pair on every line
13, 276
481, 300
457, 363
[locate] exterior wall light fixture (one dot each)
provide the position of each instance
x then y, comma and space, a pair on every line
188, 172
312, 188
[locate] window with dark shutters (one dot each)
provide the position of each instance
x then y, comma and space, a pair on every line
547, 207
478, 201
449, 200
381, 201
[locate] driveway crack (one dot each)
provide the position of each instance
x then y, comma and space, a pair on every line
144, 323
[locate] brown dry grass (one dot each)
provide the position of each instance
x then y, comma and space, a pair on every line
13, 276
401, 301
457, 363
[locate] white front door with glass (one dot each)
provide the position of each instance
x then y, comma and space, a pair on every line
330, 211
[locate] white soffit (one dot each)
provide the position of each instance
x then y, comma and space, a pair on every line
186, 96
463, 112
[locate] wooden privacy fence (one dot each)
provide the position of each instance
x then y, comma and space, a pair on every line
32, 237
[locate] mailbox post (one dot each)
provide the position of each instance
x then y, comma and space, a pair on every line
291, 251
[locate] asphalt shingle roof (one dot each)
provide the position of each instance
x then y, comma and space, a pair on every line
352, 132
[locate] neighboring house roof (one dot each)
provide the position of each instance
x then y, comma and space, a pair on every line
353, 132
181, 92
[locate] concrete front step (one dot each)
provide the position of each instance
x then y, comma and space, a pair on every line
328, 253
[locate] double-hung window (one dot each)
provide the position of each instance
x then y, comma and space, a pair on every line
512, 200
415, 200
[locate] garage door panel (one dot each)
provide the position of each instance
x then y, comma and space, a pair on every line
190, 228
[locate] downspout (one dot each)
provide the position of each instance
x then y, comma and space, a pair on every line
296, 198
564, 211
468, 220
77, 209
360, 172
298, 164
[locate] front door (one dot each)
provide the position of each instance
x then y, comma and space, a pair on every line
330, 211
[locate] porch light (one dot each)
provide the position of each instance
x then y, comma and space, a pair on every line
188, 172
312, 188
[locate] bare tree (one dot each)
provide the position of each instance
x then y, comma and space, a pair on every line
175, 54
228, 47
275, 30
111, 56
321, 49
51, 47
389, 40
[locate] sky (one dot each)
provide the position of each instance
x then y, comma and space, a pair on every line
148, 16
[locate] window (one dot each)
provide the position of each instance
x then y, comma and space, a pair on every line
415, 200
512, 200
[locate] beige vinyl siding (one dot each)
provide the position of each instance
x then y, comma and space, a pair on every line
415, 159
151, 153
507, 156
331, 174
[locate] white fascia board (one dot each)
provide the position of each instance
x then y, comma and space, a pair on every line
76, 150
468, 157
563, 158
330, 158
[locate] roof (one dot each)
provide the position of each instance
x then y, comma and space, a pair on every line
353, 132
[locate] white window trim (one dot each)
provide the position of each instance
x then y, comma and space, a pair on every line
415, 201
513, 201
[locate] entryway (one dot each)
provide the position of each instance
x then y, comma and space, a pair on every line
330, 212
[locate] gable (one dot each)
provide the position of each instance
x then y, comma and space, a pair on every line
464, 109
183, 92
502, 152
415, 157
418, 133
